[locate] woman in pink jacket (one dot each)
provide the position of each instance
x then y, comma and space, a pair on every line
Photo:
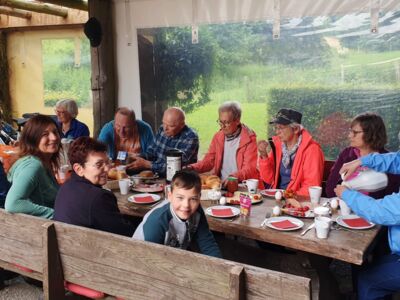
233, 149
297, 162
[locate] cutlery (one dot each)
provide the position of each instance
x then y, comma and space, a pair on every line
308, 229
267, 216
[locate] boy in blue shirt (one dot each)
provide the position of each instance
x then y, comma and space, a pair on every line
181, 220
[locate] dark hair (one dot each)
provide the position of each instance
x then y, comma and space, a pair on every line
32, 134
186, 179
81, 148
374, 130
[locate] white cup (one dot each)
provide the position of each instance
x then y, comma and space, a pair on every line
345, 210
252, 185
315, 195
124, 185
321, 211
322, 227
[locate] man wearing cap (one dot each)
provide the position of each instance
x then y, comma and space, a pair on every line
297, 161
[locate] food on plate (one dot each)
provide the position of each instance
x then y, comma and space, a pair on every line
146, 174
113, 174
296, 211
293, 202
289, 194
234, 198
210, 181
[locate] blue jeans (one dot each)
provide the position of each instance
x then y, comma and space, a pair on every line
380, 279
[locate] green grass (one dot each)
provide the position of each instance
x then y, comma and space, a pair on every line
204, 121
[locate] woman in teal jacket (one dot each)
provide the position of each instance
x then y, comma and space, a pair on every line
33, 185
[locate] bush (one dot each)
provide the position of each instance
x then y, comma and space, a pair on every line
327, 112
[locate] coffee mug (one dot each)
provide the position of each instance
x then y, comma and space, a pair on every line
124, 185
252, 185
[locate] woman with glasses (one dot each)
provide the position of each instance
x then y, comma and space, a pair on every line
367, 135
81, 200
33, 185
297, 161
70, 128
233, 149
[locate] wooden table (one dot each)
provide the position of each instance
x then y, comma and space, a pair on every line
347, 245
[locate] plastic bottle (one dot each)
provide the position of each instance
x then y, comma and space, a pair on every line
367, 180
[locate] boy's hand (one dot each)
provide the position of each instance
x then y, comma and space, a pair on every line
339, 189
349, 168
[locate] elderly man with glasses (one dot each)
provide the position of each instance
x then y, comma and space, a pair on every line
297, 162
233, 149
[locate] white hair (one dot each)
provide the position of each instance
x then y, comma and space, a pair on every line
69, 105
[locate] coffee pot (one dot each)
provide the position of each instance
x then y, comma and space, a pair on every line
366, 180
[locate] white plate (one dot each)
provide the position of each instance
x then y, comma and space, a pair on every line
148, 188
235, 211
270, 193
298, 222
154, 196
340, 219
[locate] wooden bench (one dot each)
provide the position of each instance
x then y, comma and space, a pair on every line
55, 252
23, 240
122, 267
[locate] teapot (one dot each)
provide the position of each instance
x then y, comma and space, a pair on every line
366, 180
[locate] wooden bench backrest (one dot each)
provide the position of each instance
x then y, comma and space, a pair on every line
131, 269
21, 240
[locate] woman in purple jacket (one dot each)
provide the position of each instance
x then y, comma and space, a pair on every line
367, 135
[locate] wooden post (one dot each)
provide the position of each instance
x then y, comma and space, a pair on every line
5, 99
77, 4
53, 276
103, 78
19, 13
36, 7
237, 283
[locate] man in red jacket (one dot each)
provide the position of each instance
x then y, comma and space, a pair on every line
233, 149
298, 161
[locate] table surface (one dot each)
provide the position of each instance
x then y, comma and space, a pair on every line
344, 244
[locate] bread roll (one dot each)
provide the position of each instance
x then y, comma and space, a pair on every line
146, 173
213, 182
113, 174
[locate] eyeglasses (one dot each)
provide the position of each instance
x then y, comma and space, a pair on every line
224, 123
280, 128
354, 132
60, 112
101, 164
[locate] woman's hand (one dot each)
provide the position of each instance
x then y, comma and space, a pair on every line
349, 168
263, 148
339, 189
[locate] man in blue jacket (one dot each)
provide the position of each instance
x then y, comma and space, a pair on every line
383, 277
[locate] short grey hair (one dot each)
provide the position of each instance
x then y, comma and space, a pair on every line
296, 125
233, 107
69, 105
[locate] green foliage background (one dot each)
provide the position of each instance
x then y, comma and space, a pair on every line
61, 77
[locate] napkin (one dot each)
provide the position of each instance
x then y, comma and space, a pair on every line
144, 199
223, 212
358, 222
284, 224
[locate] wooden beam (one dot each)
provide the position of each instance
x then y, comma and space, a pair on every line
76, 4
36, 7
5, 99
102, 59
19, 13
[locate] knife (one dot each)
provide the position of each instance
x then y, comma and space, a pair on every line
307, 229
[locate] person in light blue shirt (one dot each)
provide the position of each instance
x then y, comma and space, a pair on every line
383, 277
126, 133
